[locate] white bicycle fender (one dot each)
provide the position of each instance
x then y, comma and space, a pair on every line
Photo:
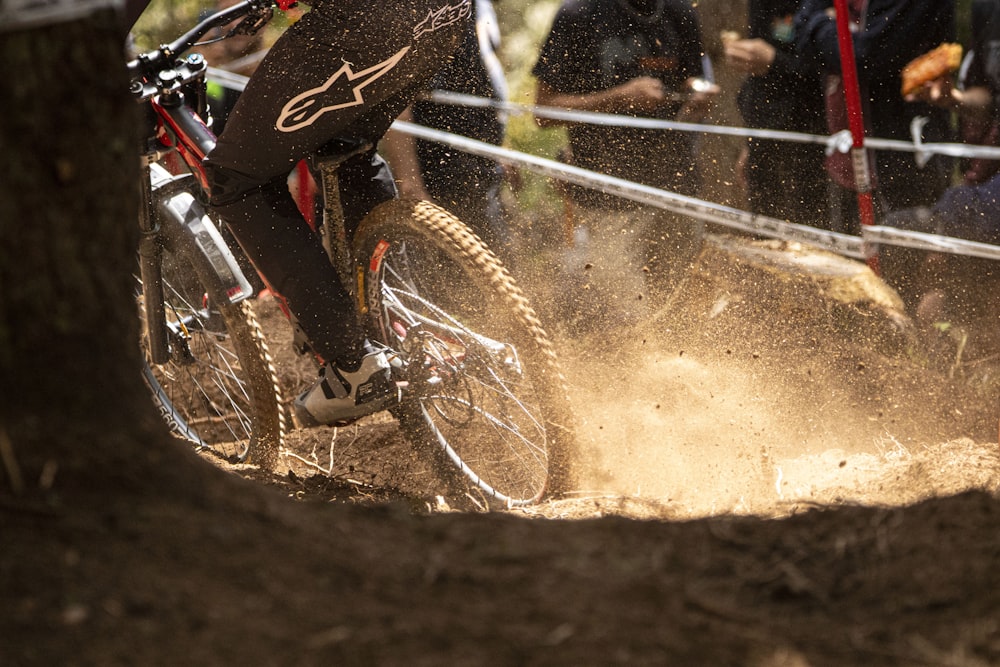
174, 198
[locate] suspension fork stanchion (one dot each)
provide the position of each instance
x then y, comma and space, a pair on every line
150, 258
334, 232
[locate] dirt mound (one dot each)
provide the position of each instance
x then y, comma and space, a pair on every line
686, 431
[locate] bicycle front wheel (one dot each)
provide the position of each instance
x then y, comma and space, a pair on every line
219, 389
483, 392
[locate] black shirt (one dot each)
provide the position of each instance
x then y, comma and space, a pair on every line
788, 96
595, 45
449, 173
984, 65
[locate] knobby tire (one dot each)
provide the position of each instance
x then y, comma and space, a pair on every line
485, 396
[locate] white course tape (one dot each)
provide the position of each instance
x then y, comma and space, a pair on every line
842, 244
698, 209
841, 141
933, 242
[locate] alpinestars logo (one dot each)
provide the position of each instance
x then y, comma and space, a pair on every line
340, 91
445, 16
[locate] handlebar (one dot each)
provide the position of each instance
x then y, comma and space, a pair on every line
258, 11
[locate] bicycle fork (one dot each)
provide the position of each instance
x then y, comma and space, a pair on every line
150, 258
200, 243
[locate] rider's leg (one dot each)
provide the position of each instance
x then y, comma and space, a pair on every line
265, 221
344, 69
268, 226
365, 182
318, 82
274, 235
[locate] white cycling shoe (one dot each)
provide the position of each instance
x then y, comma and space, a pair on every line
341, 397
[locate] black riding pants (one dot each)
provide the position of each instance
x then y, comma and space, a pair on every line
347, 68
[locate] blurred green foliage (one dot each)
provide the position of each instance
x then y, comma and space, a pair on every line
962, 14
165, 20
524, 24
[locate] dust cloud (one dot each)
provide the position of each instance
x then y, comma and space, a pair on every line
763, 395
708, 435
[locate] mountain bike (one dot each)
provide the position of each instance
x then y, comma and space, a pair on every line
479, 385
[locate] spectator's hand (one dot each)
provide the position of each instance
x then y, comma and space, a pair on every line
940, 92
644, 93
753, 56
699, 104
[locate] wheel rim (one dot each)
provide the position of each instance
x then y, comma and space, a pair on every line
201, 392
465, 373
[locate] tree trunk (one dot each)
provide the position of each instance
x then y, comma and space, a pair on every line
75, 414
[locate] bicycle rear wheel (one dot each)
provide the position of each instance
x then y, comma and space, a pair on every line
483, 390
219, 389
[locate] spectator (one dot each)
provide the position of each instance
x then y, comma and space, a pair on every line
974, 98
943, 287
887, 35
947, 287
783, 179
467, 185
635, 58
